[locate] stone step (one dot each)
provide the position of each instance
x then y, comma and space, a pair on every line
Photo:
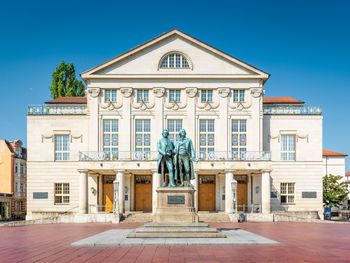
175, 230
177, 235
176, 224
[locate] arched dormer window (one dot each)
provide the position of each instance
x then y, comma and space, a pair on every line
174, 60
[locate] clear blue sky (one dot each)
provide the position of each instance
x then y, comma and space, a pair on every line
304, 45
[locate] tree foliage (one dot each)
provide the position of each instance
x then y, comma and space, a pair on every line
334, 191
64, 82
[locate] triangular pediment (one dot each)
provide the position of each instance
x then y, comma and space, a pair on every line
144, 60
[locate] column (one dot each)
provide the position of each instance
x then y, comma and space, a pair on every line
265, 191
228, 191
83, 192
194, 182
155, 184
100, 193
116, 209
121, 181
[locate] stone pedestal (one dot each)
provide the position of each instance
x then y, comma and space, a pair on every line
175, 205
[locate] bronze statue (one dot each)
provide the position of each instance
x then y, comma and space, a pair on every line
184, 156
165, 163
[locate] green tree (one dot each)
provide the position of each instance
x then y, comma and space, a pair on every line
334, 191
64, 82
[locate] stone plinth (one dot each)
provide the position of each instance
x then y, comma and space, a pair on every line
175, 205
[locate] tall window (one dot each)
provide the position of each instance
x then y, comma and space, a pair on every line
239, 138
175, 95
287, 193
143, 137
287, 147
61, 193
142, 95
61, 147
206, 95
238, 95
110, 95
110, 138
206, 138
174, 126
174, 60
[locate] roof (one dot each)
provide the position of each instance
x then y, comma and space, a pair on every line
68, 100
86, 74
331, 153
281, 100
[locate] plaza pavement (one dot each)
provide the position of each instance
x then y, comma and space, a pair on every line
298, 242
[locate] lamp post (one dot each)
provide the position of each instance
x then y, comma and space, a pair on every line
234, 196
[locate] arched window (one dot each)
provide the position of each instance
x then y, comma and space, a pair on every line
174, 60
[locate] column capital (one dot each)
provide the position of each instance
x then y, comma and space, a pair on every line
83, 171
229, 171
120, 171
266, 170
154, 171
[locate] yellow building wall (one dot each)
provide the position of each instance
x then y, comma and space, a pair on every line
6, 169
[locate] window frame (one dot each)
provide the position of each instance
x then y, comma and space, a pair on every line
204, 95
239, 151
109, 97
112, 151
174, 60
174, 133
174, 95
287, 194
141, 94
288, 155
206, 150
62, 194
145, 150
238, 95
62, 152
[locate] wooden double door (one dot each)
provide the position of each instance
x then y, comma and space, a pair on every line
206, 193
108, 193
143, 193
242, 192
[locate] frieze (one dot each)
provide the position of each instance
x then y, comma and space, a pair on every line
191, 92
159, 92
257, 92
94, 92
127, 92
224, 92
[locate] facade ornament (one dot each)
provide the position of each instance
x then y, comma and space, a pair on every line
159, 92
257, 92
46, 137
127, 92
224, 92
191, 92
208, 105
143, 105
94, 92
175, 105
76, 138
111, 105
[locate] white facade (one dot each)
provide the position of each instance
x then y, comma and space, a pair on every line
276, 161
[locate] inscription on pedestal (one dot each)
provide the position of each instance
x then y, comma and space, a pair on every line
176, 199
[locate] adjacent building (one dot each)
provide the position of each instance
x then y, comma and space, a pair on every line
12, 180
270, 148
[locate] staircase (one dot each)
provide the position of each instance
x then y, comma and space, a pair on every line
136, 217
205, 216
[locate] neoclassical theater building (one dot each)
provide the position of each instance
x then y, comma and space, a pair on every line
270, 147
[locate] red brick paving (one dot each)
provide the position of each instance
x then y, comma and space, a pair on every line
300, 242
